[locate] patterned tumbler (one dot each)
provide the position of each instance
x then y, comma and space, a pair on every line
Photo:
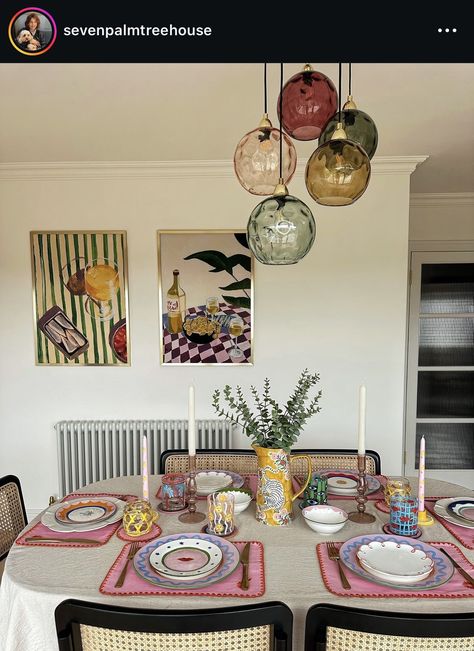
220, 514
404, 515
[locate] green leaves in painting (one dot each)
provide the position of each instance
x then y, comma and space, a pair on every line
219, 262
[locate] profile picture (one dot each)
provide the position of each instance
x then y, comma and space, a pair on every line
32, 31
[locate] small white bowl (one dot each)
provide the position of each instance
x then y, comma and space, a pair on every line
241, 499
324, 519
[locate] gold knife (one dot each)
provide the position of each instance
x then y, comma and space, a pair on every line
460, 569
87, 541
244, 559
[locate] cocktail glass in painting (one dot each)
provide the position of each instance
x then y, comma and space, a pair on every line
236, 329
212, 306
403, 515
101, 284
173, 492
396, 486
73, 276
220, 514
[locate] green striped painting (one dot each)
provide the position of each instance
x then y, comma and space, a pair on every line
80, 297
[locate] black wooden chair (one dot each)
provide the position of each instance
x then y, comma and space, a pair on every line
331, 628
12, 514
245, 461
85, 626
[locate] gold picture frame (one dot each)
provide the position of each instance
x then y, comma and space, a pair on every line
212, 263
80, 297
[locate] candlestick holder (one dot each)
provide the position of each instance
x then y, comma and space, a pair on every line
424, 519
191, 515
360, 515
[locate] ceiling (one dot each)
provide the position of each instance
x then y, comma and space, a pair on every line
160, 112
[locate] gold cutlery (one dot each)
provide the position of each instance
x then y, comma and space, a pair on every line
460, 569
244, 559
87, 541
134, 547
333, 554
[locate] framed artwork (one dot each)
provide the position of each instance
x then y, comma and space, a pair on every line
80, 297
206, 297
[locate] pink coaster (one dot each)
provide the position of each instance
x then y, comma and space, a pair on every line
153, 533
463, 534
100, 535
455, 588
228, 587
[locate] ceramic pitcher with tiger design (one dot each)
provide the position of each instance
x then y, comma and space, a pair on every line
275, 495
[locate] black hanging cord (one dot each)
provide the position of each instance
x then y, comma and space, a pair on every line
350, 78
281, 119
340, 85
265, 103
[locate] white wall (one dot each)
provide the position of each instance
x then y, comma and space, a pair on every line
341, 311
442, 217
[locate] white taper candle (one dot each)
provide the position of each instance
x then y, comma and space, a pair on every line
191, 423
362, 407
421, 476
146, 492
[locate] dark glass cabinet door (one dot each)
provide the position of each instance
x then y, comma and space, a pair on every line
440, 382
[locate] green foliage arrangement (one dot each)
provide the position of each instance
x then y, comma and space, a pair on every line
270, 425
219, 262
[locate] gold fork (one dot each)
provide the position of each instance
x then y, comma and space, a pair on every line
333, 554
131, 553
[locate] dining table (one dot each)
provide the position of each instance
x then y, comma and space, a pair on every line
37, 578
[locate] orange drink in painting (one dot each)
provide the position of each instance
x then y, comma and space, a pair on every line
102, 281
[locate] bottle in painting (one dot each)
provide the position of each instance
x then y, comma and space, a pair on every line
175, 305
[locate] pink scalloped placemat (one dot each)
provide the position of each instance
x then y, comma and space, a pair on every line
455, 588
464, 535
135, 585
100, 535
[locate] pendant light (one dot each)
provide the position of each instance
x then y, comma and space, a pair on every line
281, 229
338, 172
257, 158
358, 125
309, 100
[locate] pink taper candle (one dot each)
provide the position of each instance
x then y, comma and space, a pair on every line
146, 492
362, 408
421, 476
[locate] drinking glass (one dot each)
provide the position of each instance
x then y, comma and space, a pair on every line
173, 492
73, 276
403, 515
396, 486
138, 518
220, 514
101, 284
236, 328
212, 306
316, 491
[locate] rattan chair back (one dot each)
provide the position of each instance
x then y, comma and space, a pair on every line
332, 628
245, 461
12, 512
87, 626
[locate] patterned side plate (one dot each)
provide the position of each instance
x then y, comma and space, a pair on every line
186, 559
237, 480
463, 509
50, 520
441, 509
373, 483
82, 511
230, 560
442, 570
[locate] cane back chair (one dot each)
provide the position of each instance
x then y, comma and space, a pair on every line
337, 628
12, 513
245, 461
85, 626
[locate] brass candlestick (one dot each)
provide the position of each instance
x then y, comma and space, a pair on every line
191, 514
360, 515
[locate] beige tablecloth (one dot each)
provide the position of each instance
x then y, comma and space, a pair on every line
37, 579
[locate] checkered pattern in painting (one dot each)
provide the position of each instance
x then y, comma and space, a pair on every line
177, 349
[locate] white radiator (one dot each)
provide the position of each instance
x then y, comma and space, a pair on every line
92, 450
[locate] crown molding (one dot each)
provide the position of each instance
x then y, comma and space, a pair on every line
442, 199
215, 169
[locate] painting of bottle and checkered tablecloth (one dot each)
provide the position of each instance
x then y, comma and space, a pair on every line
177, 349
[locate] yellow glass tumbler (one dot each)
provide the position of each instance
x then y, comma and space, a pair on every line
138, 518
